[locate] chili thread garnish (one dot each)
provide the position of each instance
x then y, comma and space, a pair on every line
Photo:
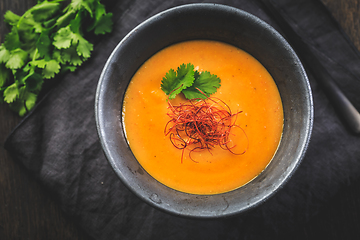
201, 124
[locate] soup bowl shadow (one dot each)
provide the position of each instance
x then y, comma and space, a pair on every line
214, 22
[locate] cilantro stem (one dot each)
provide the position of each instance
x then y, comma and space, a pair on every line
35, 53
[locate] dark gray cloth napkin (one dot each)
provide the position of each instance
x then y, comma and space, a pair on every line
58, 142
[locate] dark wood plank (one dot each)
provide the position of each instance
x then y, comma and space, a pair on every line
347, 13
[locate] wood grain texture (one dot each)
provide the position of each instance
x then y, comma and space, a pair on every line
347, 12
27, 211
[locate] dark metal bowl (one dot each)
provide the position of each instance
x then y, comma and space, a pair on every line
221, 23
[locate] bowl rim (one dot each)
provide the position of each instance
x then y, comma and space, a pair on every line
100, 121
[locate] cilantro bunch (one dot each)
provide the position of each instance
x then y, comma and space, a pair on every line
189, 82
46, 40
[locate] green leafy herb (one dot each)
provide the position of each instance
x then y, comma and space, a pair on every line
189, 82
46, 40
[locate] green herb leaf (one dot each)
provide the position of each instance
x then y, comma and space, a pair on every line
84, 48
17, 59
4, 75
189, 82
45, 10
206, 82
43, 45
102, 21
104, 24
28, 27
82, 4
25, 103
34, 82
52, 67
11, 18
63, 38
12, 39
4, 54
174, 82
70, 55
11, 93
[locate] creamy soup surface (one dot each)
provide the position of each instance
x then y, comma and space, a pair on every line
245, 86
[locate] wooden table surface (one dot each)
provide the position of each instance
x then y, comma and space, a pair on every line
28, 212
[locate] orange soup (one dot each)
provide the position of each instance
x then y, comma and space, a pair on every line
245, 86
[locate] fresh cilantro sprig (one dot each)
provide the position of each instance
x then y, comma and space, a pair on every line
188, 81
46, 40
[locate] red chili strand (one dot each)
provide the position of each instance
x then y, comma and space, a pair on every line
201, 124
